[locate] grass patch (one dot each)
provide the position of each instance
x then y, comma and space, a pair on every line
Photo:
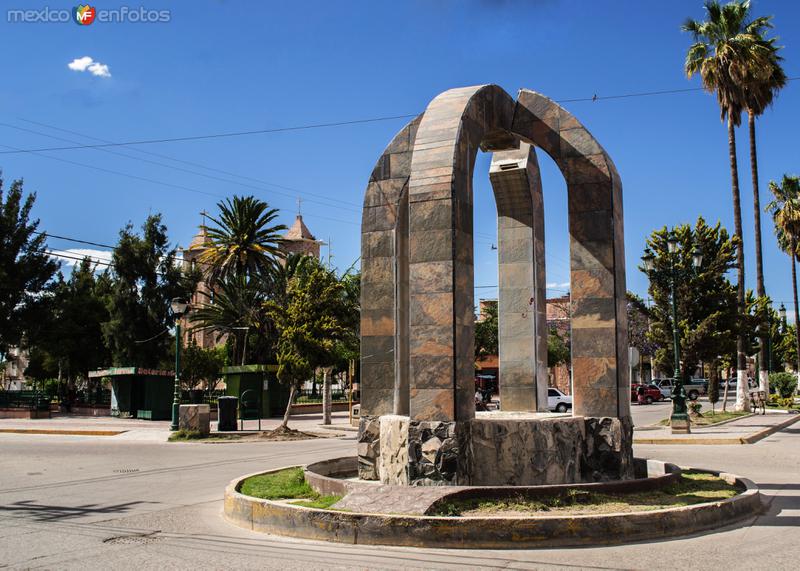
693, 488
183, 434
709, 419
288, 484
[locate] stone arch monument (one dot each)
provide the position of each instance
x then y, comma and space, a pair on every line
418, 421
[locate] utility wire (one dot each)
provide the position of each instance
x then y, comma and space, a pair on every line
332, 202
593, 98
214, 135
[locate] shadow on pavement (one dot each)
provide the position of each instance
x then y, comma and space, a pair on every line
43, 512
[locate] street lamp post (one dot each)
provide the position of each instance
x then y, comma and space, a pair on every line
679, 419
179, 308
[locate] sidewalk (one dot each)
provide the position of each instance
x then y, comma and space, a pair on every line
748, 430
156, 430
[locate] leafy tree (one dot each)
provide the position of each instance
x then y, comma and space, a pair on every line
707, 312
25, 267
200, 364
558, 352
311, 321
243, 240
144, 280
784, 383
785, 210
70, 341
486, 332
728, 50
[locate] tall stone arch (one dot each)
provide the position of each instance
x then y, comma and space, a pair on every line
417, 270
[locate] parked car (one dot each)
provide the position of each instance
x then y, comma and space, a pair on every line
652, 393
694, 388
558, 401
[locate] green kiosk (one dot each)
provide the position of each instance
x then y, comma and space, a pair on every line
260, 393
139, 393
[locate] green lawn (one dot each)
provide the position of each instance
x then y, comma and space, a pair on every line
693, 488
288, 484
708, 419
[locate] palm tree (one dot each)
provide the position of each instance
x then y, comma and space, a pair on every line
785, 210
235, 310
243, 240
725, 51
761, 87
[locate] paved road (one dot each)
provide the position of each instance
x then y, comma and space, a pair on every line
91, 503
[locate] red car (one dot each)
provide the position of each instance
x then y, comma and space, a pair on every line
651, 393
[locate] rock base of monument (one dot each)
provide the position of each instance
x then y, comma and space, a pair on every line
680, 424
495, 449
195, 418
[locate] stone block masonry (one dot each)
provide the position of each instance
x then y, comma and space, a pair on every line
195, 418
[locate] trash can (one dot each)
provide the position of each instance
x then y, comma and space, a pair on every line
226, 407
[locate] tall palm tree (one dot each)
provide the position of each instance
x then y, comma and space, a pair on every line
785, 210
725, 50
243, 240
761, 87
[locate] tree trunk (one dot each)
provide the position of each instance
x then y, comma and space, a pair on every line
763, 373
288, 413
796, 309
326, 396
742, 402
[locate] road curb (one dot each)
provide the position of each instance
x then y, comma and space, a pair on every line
280, 518
54, 432
751, 439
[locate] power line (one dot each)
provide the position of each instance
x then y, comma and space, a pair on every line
331, 202
593, 98
215, 135
154, 181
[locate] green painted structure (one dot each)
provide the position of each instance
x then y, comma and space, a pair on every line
261, 381
138, 392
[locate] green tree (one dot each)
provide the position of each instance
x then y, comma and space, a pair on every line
707, 312
558, 352
238, 313
728, 48
785, 210
25, 266
242, 240
200, 364
311, 321
70, 340
145, 278
486, 332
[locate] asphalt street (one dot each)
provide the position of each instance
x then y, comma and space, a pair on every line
71, 502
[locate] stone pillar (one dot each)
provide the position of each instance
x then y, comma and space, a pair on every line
384, 280
599, 331
195, 418
441, 297
326, 395
521, 272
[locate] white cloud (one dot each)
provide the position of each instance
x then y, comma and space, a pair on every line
86, 63
555, 285
73, 256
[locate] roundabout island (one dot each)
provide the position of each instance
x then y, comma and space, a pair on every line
428, 470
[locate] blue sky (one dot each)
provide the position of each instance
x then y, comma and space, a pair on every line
235, 66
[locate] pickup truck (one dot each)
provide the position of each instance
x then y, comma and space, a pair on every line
694, 387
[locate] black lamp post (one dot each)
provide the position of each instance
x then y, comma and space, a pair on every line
179, 308
679, 418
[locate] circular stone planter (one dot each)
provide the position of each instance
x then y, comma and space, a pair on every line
280, 518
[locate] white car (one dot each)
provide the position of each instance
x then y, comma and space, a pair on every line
558, 401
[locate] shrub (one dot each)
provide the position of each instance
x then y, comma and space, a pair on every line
784, 383
695, 407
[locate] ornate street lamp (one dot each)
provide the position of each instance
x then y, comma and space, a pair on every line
179, 307
679, 418
782, 315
